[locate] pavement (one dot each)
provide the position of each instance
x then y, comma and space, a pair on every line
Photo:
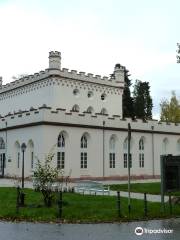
4, 182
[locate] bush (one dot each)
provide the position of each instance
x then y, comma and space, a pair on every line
45, 175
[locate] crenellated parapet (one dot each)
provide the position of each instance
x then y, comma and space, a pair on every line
54, 69
60, 117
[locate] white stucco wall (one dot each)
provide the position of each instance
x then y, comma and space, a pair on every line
20, 128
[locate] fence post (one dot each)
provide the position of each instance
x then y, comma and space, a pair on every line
170, 204
60, 204
145, 205
119, 204
17, 199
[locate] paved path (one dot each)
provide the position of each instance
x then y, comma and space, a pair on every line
4, 182
150, 197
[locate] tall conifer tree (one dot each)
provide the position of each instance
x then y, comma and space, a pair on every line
142, 100
128, 110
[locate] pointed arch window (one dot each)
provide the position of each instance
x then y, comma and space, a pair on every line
104, 111
2, 143
165, 146
178, 146
61, 141
90, 109
83, 141
141, 153
84, 156
61, 151
125, 154
75, 108
112, 154
2, 156
141, 144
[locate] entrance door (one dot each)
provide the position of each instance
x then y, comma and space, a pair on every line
2, 164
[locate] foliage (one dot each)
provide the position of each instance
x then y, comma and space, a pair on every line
128, 108
142, 100
170, 110
140, 105
45, 175
80, 208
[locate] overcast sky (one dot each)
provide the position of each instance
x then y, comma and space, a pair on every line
92, 36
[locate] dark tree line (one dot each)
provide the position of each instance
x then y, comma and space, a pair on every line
139, 105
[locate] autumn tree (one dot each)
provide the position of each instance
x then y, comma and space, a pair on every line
170, 110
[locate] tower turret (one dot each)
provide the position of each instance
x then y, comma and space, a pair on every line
119, 72
55, 60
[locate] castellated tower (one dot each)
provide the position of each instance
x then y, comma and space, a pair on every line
55, 60
119, 72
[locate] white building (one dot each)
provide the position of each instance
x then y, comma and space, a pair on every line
81, 115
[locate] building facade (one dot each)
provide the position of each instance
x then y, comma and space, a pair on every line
80, 116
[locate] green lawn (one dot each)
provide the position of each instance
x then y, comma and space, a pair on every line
151, 188
77, 208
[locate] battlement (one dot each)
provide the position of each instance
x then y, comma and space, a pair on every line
55, 70
54, 54
72, 74
60, 116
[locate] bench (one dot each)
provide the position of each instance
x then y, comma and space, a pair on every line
85, 186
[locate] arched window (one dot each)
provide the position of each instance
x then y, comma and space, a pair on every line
104, 111
17, 152
75, 108
141, 152
125, 153
2, 156
30, 146
2, 143
90, 109
165, 146
61, 141
84, 149
84, 141
178, 146
112, 153
61, 151
141, 144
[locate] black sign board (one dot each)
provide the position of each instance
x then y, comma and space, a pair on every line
170, 173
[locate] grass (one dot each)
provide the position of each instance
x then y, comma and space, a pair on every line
151, 188
77, 208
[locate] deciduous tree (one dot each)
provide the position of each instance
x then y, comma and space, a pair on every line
170, 110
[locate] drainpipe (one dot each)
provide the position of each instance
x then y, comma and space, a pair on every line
103, 151
153, 171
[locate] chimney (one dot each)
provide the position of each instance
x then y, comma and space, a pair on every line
55, 60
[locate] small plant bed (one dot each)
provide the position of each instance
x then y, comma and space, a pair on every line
78, 208
150, 188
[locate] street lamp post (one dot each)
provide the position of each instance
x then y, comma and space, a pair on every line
129, 166
23, 149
